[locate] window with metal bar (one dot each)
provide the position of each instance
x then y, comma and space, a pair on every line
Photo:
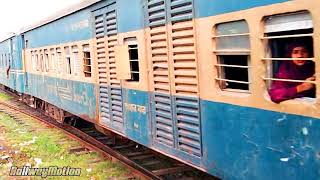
37, 62
282, 34
9, 62
5, 60
86, 61
53, 60
233, 56
33, 61
68, 60
41, 61
134, 62
75, 60
133, 58
59, 59
46, 60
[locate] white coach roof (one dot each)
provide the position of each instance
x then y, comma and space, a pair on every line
60, 14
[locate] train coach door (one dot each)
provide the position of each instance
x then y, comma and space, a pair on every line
174, 77
110, 92
12, 67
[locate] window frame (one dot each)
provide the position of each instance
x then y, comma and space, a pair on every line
86, 59
46, 61
68, 67
220, 53
268, 60
59, 60
53, 60
132, 41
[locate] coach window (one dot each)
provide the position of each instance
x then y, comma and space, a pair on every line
9, 60
53, 61
285, 35
37, 61
133, 58
5, 60
40, 61
233, 56
59, 59
86, 61
32, 61
26, 44
46, 60
68, 60
76, 60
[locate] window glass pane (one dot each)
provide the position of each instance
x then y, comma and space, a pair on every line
86, 48
238, 27
288, 22
235, 42
67, 51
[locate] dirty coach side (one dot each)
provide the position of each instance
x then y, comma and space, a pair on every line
11, 65
244, 134
234, 135
152, 71
59, 65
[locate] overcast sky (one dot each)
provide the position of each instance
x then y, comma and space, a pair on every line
16, 14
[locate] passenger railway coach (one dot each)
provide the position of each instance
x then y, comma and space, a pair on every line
188, 78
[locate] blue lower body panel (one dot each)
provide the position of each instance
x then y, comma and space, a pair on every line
239, 142
249, 143
236, 142
13, 80
75, 97
137, 123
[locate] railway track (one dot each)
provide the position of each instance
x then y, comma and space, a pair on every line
143, 162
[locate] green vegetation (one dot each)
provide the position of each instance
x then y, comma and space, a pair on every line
4, 97
33, 141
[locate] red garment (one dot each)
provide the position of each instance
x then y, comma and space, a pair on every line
282, 90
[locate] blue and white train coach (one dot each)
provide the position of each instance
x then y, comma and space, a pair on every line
187, 78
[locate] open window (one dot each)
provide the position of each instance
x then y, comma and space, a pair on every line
282, 35
5, 60
133, 59
68, 60
33, 61
86, 61
9, 60
53, 61
59, 60
46, 60
40, 61
37, 61
233, 56
76, 60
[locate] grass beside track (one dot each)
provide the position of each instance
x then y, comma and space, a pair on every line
36, 144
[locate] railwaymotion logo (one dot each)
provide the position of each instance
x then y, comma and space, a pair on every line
44, 172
